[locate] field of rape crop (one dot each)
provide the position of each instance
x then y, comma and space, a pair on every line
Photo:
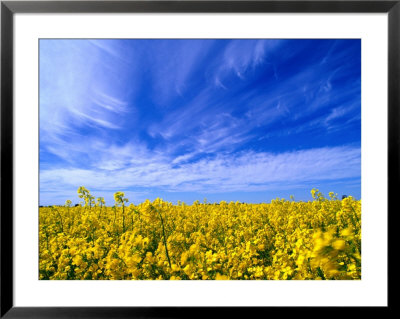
284, 239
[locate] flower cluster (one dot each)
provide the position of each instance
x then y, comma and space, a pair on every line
281, 240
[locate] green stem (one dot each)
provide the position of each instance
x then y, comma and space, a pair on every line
123, 218
164, 238
61, 221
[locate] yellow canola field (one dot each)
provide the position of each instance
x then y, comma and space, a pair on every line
319, 239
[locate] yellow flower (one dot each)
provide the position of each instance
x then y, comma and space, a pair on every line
339, 244
221, 277
77, 260
281, 240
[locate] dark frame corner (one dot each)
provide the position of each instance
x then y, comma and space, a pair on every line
9, 8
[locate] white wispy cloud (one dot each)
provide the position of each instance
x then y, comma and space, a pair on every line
74, 90
218, 174
109, 102
341, 111
172, 77
242, 56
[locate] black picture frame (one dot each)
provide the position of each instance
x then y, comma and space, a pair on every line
9, 8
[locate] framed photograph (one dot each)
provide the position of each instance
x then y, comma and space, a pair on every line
161, 156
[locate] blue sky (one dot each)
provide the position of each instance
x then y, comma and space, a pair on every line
247, 120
